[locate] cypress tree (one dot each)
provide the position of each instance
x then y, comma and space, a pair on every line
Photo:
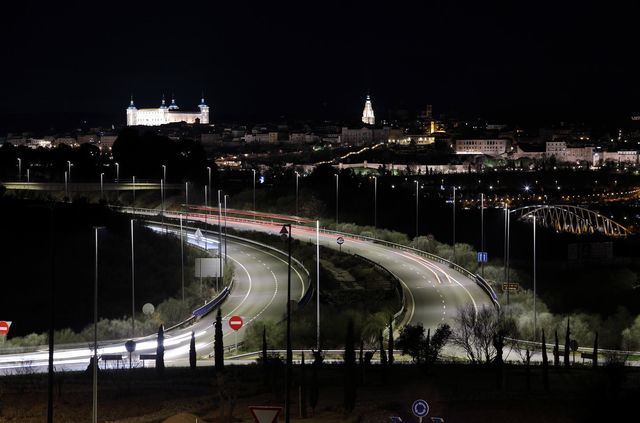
218, 348
192, 351
595, 352
160, 351
303, 388
545, 363
390, 340
427, 348
567, 341
383, 353
349, 369
556, 352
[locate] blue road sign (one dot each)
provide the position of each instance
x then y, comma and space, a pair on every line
483, 256
420, 408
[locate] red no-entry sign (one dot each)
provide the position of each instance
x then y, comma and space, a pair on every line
235, 322
4, 327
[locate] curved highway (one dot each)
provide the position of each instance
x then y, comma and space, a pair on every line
258, 292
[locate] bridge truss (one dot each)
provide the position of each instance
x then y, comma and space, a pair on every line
572, 219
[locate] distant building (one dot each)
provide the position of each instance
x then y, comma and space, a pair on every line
621, 157
563, 154
364, 136
367, 114
489, 147
166, 114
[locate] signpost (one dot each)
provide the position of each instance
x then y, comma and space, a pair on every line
4, 329
235, 323
483, 257
340, 241
265, 414
420, 409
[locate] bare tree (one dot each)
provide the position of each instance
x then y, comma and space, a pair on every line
478, 333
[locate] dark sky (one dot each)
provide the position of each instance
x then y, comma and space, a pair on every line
317, 59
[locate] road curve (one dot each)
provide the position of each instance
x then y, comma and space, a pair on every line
259, 292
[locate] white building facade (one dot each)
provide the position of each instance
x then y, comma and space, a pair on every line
489, 147
166, 114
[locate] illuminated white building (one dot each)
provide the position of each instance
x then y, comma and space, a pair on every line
367, 113
166, 114
490, 147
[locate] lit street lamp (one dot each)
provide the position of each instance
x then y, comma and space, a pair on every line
286, 236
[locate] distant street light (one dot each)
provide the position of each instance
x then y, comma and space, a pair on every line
286, 236
117, 172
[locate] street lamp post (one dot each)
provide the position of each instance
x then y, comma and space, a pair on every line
182, 256
19, 169
225, 228
417, 197
95, 327
66, 184
535, 314
162, 196
337, 196
221, 276
254, 194
453, 203
375, 202
134, 191
186, 193
133, 285
102, 186
69, 169
209, 185
297, 177
482, 230
117, 172
28, 176
317, 285
286, 236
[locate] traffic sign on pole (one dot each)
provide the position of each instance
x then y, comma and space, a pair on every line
265, 414
420, 408
235, 322
483, 257
4, 327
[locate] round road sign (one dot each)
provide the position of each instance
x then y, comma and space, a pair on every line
148, 309
420, 408
340, 240
235, 322
4, 327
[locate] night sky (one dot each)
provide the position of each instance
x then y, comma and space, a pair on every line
317, 59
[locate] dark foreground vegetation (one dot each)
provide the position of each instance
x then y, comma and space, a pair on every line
455, 392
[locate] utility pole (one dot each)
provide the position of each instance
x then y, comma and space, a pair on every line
52, 315
375, 202
482, 231
454, 223
535, 313
133, 285
417, 200
182, 256
337, 197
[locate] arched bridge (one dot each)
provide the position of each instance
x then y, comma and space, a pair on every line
572, 219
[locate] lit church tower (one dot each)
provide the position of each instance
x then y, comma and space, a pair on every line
131, 114
367, 113
204, 111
